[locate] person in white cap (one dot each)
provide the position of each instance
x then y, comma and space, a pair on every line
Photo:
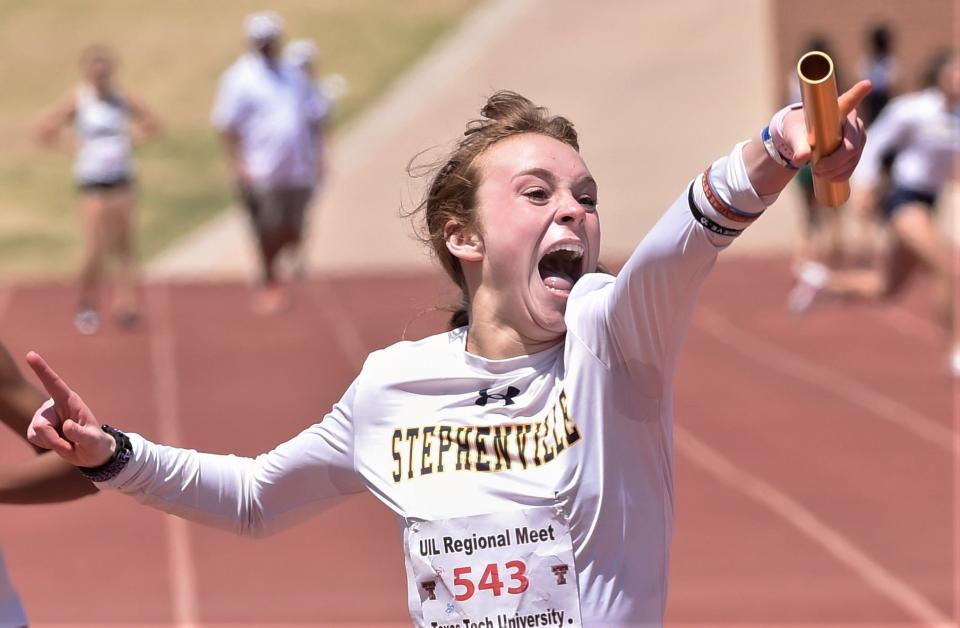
266, 115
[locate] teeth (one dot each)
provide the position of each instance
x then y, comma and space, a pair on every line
572, 247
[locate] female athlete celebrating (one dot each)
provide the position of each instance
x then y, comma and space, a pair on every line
527, 453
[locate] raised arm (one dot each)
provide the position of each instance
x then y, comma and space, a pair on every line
249, 496
647, 310
769, 178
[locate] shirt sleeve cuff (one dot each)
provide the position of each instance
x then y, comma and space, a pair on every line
137, 460
724, 194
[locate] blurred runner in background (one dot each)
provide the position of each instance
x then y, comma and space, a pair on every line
923, 129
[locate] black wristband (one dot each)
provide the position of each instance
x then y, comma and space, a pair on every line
706, 222
112, 467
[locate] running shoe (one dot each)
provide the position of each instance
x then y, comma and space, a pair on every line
955, 363
811, 279
87, 321
271, 299
128, 320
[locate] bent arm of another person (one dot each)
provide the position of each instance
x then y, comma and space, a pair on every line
648, 309
46, 129
43, 479
18, 398
148, 125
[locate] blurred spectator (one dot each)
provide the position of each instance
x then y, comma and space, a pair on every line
100, 114
879, 66
923, 128
267, 115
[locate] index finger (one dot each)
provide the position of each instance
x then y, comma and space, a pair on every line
849, 99
56, 387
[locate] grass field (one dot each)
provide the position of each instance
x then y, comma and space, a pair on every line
171, 54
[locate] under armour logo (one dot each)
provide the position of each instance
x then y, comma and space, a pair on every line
506, 397
560, 571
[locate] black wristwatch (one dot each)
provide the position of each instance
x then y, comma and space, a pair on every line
111, 468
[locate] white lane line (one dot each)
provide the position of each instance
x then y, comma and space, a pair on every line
346, 332
909, 600
182, 569
909, 324
833, 381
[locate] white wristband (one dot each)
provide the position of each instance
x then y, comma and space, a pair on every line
780, 145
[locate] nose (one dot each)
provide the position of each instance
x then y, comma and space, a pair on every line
570, 211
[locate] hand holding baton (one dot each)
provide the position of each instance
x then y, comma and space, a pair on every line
821, 112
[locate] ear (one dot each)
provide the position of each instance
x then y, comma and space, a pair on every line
464, 243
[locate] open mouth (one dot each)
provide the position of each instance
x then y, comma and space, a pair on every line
561, 266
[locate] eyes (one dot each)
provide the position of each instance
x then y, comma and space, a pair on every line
541, 196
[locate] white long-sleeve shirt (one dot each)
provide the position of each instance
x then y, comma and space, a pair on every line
435, 432
926, 134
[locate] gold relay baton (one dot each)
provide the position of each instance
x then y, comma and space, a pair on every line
818, 89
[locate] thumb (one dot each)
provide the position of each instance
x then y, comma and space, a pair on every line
802, 152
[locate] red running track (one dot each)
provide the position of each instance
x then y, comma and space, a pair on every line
816, 467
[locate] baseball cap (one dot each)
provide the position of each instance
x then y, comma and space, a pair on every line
299, 52
263, 25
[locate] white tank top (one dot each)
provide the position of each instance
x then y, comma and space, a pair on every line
105, 153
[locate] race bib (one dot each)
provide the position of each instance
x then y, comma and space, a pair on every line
501, 570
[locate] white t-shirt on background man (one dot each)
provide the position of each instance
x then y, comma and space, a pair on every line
272, 109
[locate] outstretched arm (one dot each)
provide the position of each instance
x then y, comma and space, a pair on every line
45, 478
648, 309
250, 496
